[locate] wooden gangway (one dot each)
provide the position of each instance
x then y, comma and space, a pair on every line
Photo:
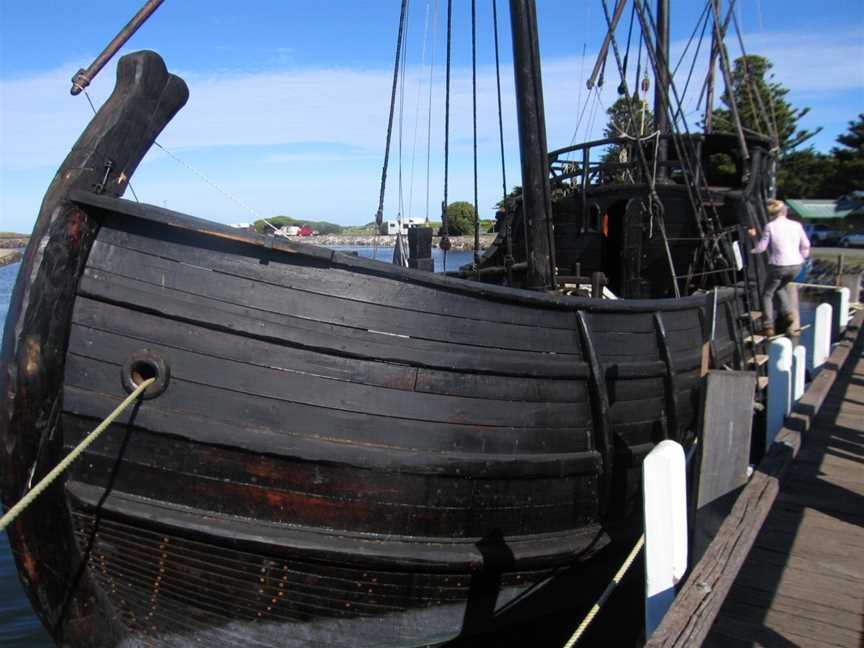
803, 581
787, 566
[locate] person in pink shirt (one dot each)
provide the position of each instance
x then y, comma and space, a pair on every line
787, 246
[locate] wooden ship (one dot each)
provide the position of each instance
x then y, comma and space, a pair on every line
338, 451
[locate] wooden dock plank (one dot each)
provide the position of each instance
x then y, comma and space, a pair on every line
783, 570
802, 583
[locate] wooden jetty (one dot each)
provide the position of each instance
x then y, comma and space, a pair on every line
803, 581
785, 568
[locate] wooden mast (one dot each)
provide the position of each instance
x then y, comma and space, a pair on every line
536, 195
661, 86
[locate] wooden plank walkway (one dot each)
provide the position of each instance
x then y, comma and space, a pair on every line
803, 581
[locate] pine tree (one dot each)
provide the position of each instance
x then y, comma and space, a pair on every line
848, 169
752, 81
628, 116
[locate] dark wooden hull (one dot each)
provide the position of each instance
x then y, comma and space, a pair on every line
345, 452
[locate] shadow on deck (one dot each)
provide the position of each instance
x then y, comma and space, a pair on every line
802, 583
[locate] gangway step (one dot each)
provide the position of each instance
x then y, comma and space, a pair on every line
759, 359
754, 339
753, 316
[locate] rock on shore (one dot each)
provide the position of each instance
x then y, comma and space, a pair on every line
328, 240
8, 257
13, 243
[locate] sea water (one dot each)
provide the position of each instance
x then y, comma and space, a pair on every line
19, 626
455, 258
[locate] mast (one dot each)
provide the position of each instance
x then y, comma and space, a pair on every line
536, 195
661, 86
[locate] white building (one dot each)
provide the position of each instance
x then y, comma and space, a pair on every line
393, 225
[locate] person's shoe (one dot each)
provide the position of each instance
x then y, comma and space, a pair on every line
792, 324
768, 331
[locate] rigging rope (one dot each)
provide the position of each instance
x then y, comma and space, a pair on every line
400, 254
429, 113
474, 116
769, 118
198, 173
93, 108
46, 481
500, 112
417, 107
379, 215
445, 238
616, 580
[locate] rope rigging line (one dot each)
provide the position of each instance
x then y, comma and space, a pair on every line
500, 111
420, 76
400, 253
46, 481
445, 234
680, 107
93, 108
616, 580
713, 56
474, 118
429, 111
768, 117
622, 89
711, 250
200, 175
379, 215
649, 174
702, 17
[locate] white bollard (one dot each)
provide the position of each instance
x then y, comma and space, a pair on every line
843, 319
799, 369
821, 336
779, 386
664, 484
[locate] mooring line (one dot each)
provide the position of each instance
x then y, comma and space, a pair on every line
37, 490
606, 593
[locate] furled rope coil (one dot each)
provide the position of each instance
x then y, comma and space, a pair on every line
45, 482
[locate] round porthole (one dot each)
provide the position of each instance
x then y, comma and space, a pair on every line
143, 365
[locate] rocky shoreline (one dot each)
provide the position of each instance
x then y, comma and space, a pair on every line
329, 240
13, 243
8, 257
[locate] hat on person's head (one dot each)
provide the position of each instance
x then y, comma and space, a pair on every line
775, 207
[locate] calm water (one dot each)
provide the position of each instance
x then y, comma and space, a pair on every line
19, 627
455, 258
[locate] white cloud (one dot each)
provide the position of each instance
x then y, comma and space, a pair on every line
295, 122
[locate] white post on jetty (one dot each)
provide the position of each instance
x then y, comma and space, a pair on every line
779, 386
799, 371
664, 484
821, 336
843, 318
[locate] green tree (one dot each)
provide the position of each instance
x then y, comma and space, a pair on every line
848, 172
752, 81
460, 218
803, 174
322, 227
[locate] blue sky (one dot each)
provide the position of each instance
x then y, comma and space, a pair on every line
289, 100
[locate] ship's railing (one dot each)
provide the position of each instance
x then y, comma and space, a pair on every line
584, 164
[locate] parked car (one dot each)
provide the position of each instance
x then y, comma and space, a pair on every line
822, 234
852, 239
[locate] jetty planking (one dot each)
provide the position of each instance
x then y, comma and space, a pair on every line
790, 547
